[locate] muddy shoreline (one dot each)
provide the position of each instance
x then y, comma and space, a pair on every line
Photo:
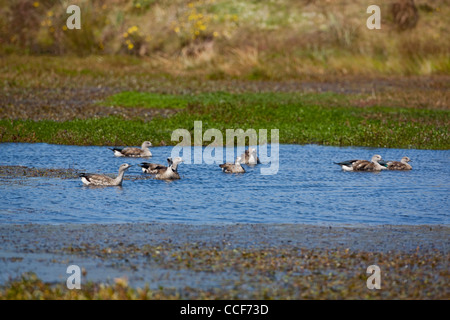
83, 102
376, 238
222, 258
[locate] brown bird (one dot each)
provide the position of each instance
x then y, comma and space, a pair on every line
233, 167
153, 167
134, 152
103, 180
250, 157
170, 172
363, 165
400, 165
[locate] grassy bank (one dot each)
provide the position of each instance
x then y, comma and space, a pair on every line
327, 118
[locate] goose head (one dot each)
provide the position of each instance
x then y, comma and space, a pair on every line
376, 158
124, 167
176, 160
146, 144
406, 160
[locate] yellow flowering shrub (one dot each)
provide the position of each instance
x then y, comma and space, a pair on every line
196, 21
133, 41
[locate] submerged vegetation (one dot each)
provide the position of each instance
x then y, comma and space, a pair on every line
269, 273
22, 171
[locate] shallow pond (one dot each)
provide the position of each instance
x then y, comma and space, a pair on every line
308, 188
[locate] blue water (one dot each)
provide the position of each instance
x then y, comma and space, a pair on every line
308, 188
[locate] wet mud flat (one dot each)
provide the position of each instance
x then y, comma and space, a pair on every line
17, 172
30, 172
81, 100
235, 261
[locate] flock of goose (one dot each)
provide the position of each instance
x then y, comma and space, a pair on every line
161, 172
376, 164
170, 172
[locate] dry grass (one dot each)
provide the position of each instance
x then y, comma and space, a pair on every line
225, 39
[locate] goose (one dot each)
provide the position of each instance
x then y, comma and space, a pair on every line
250, 157
363, 165
153, 167
400, 165
134, 152
170, 172
103, 180
233, 167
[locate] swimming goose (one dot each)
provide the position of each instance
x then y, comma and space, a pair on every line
363, 165
102, 180
170, 172
400, 165
250, 157
153, 167
134, 152
233, 167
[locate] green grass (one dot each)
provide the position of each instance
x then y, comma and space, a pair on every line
147, 100
326, 119
136, 99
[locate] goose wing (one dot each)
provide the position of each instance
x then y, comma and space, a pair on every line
383, 163
346, 163
231, 168
226, 167
246, 157
97, 179
161, 170
152, 167
166, 174
397, 165
131, 152
363, 165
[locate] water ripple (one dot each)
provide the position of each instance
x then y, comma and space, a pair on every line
308, 188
